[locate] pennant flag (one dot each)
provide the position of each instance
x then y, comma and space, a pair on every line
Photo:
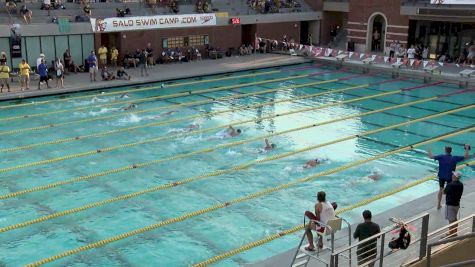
398, 60
309, 48
350, 54
441, 64
328, 52
300, 47
361, 56
339, 52
458, 66
472, 66
373, 57
386, 59
411, 62
424, 63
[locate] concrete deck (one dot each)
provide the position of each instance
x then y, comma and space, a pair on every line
407, 210
80, 82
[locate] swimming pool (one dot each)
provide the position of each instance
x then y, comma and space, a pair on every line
77, 169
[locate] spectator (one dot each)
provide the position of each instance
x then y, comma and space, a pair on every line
39, 60
120, 12
129, 59
92, 63
87, 10
26, 14
425, 53
122, 75
149, 50
24, 74
106, 75
199, 6
471, 54
453, 194
4, 75
59, 69
206, 8
102, 52
324, 212
11, 7
411, 52
461, 59
46, 6
67, 60
43, 72
447, 164
392, 49
366, 251
114, 56
3, 57
143, 63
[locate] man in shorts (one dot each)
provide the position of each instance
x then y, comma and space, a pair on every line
453, 193
447, 164
324, 211
92, 62
43, 72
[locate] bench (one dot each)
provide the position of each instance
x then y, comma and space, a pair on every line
467, 74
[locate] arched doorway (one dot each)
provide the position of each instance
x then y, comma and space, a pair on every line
376, 33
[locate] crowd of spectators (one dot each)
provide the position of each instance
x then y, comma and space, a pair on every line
24, 12
203, 6
272, 6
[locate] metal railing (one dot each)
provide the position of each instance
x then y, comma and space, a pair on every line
375, 249
329, 231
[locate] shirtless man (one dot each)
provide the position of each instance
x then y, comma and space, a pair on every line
375, 176
268, 146
130, 107
312, 163
233, 132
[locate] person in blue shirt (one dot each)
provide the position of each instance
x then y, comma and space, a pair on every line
447, 164
43, 72
92, 63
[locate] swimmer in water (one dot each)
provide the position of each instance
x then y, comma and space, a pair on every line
375, 176
233, 132
124, 96
187, 129
312, 163
268, 146
130, 107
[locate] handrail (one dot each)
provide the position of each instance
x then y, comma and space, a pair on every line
454, 223
462, 263
445, 241
380, 234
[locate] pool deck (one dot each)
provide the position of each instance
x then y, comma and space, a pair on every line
163, 72
407, 210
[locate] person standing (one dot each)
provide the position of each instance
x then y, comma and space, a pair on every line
324, 212
411, 52
425, 53
43, 72
114, 56
392, 49
102, 52
368, 250
4, 75
92, 63
453, 193
67, 58
59, 68
143, 62
150, 59
447, 164
38, 61
25, 74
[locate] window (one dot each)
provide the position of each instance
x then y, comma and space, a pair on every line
183, 41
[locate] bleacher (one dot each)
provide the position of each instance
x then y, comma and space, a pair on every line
138, 8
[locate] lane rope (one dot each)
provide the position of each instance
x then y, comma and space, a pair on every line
300, 227
241, 199
145, 99
138, 89
69, 139
145, 164
37, 128
127, 145
221, 172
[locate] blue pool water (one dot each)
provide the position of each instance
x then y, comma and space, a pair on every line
41, 150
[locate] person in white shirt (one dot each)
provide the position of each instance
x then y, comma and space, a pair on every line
425, 53
411, 52
324, 212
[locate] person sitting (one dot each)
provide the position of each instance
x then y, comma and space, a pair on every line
324, 211
26, 14
206, 7
120, 12
122, 75
106, 75
11, 7
199, 7
173, 6
87, 10
129, 60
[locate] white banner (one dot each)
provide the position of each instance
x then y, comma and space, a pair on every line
452, 2
152, 22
